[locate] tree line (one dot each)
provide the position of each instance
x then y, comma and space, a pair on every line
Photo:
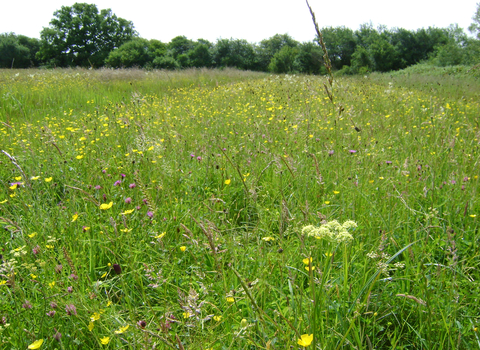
82, 36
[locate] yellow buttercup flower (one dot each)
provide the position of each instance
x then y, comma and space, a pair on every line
183, 248
105, 340
74, 217
105, 206
122, 329
36, 344
227, 182
48, 179
307, 261
305, 340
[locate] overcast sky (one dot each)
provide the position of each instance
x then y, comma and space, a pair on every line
253, 20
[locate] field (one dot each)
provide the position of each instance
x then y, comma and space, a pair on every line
219, 209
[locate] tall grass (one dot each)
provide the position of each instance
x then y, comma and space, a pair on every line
190, 210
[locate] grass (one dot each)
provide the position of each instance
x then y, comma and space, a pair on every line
213, 209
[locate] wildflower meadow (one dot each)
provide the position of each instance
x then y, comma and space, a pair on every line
221, 209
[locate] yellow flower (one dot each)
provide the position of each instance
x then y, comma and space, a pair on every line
473, 215
306, 340
230, 299
74, 217
79, 156
327, 202
90, 326
268, 239
105, 206
52, 284
95, 317
307, 261
243, 323
18, 178
31, 235
217, 318
13, 187
126, 212
227, 182
122, 329
105, 340
4, 201
336, 192
308, 268
48, 179
160, 235
49, 246
183, 248
186, 314
36, 344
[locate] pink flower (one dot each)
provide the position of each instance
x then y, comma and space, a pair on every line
71, 309
128, 200
132, 185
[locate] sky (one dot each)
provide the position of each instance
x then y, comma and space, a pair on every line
252, 20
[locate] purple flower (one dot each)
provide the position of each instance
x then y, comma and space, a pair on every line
104, 171
192, 155
27, 305
453, 182
465, 179
145, 200
117, 183
142, 324
138, 207
331, 152
388, 162
74, 277
53, 305
132, 185
352, 151
123, 176
199, 158
150, 214
128, 200
58, 268
36, 250
98, 187
71, 310
57, 335
51, 313
70, 289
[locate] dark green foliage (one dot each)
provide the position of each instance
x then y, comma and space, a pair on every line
309, 59
17, 51
269, 47
79, 35
134, 53
235, 53
165, 62
340, 43
474, 28
283, 61
200, 56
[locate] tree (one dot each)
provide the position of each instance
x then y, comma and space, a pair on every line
474, 28
269, 47
17, 51
340, 43
234, 53
284, 60
309, 59
79, 35
137, 52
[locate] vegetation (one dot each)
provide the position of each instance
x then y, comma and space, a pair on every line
81, 36
226, 210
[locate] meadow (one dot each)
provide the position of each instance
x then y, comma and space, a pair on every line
220, 209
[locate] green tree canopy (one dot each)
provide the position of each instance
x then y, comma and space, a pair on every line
17, 51
474, 28
80, 35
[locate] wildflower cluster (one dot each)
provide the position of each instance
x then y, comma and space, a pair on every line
332, 231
